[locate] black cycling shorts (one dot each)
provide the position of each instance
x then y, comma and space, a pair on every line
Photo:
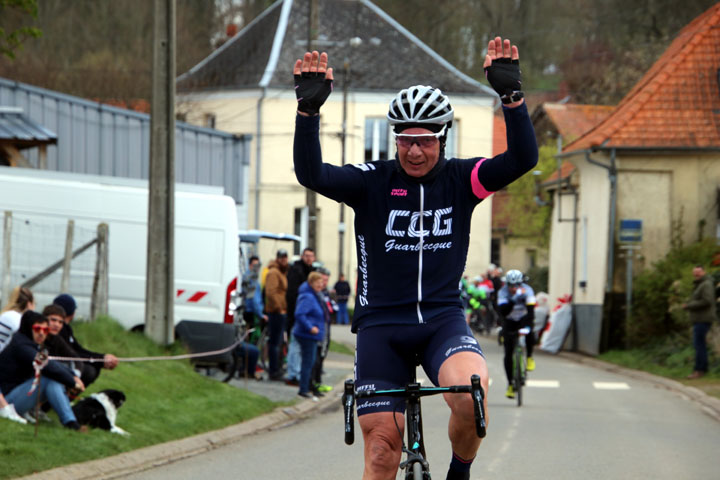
385, 356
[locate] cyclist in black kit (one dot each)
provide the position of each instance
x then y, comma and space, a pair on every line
412, 224
516, 304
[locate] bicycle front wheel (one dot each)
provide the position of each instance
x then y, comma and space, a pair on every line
417, 471
518, 378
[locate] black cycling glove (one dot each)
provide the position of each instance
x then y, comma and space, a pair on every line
504, 77
311, 90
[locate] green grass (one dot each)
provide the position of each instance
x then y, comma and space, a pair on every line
166, 400
673, 358
340, 348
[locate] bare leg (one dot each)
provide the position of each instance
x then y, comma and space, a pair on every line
383, 444
457, 370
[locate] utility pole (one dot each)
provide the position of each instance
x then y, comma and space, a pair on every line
160, 288
311, 196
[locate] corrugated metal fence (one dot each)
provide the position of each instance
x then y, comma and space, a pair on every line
99, 139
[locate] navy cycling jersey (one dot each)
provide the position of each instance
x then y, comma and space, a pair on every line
412, 236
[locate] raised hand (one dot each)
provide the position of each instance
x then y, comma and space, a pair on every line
502, 70
313, 82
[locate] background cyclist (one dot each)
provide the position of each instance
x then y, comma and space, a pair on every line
412, 226
516, 303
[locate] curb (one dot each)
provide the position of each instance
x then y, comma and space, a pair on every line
135, 461
709, 405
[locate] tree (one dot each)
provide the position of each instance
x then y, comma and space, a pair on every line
528, 215
103, 49
15, 10
599, 48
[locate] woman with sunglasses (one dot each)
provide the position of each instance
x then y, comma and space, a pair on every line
17, 372
412, 230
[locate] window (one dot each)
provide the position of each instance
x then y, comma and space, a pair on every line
376, 139
495, 251
451, 149
210, 120
531, 258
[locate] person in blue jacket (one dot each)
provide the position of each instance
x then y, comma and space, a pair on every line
309, 327
412, 231
17, 372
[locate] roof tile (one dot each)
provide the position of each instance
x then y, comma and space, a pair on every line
676, 104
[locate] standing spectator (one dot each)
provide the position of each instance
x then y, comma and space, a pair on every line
90, 370
701, 308
253, 314
329, 308
17, 373
297, 274
276, 307
342, 293
309, 327
21, 300
494, 274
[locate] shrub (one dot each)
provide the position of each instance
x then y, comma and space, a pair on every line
659, 292
538, 278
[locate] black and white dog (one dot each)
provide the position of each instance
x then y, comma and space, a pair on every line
99, 410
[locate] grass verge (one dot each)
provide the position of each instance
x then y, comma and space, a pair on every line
673, 358
166, 400
338, 347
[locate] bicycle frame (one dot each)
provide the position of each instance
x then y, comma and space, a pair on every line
415, 464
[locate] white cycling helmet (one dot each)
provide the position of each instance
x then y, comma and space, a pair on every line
514, 277
420, 104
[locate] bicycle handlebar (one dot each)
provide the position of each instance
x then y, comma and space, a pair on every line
414, 390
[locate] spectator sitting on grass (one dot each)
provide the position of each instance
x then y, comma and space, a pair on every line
58, 347
7, 410
21, 300
90, 371
17, 372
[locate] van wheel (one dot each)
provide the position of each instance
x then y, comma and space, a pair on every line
138, 329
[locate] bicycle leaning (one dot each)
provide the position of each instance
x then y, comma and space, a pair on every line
415, 465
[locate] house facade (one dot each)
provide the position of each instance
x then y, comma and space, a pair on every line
246, 86
655, 159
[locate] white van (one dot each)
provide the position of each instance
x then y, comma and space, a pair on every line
206, 241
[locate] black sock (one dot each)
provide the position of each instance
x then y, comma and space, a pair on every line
459, 468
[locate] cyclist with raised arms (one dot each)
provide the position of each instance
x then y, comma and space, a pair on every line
412, 224
516, 303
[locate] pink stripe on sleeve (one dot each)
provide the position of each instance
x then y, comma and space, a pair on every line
477, 187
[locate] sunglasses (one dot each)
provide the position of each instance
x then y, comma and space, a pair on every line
424, 140
40, 328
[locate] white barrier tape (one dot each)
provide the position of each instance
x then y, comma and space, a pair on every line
145, 359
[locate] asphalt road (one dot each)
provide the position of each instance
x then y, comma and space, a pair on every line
577, 422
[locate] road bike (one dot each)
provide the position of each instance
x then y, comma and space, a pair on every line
519, 363
415, 465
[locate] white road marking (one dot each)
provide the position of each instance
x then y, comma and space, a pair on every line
542, 383
611, 386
